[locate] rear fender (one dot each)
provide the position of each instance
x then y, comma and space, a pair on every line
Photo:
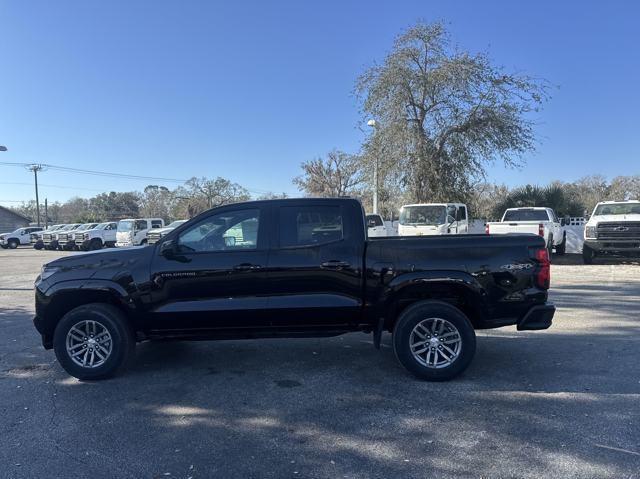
458, 288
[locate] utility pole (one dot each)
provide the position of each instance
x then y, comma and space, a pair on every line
35, 168
46, 214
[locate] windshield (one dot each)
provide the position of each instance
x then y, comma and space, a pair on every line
69, 227
87, 226
526, 215
175, 224
618, 209
423, 215
125, 226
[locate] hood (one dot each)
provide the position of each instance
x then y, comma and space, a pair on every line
106, 258
612, 219
161, 230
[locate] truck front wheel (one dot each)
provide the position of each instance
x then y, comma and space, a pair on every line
434, 340
96, 243
93, 341
587, 254
13, 243
561, 249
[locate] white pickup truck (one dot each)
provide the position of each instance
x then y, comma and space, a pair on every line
102, 235
535, 220
16, 238
612, 230
375, 226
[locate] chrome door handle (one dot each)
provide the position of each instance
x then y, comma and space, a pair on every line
246, 267
335, 264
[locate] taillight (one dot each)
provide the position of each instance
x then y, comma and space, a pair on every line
541, 230
543, 276
486, 228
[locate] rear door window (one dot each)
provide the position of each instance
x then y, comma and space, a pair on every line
310, 226
526, 215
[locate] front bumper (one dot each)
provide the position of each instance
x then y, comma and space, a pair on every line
617, 246
538, 317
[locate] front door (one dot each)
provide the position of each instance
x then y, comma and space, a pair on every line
213, 276
315, 267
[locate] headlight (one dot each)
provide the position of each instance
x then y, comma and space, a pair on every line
590, 232
47, 271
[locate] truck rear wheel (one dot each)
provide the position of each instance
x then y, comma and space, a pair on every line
93, 341
434, 340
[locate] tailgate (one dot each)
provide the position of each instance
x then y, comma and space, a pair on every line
522, 227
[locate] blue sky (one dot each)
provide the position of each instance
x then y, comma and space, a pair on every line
248, 90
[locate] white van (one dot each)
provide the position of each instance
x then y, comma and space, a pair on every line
133, 232
433, 219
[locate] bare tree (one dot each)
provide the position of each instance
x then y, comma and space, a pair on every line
443, 114
200, 194
337, 175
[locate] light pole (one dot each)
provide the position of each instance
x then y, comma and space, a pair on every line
372, 124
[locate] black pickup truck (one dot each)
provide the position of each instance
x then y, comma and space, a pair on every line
292, 268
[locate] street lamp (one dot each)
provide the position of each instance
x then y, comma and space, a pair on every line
372, 123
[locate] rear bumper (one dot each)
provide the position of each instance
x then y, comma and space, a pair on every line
538, 317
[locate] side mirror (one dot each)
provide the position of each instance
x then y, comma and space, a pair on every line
168, 249
229, 241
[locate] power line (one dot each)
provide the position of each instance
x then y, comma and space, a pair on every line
109, 174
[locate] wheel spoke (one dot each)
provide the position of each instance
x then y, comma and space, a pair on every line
89, 343
435, 343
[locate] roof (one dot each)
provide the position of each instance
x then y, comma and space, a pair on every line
7, 210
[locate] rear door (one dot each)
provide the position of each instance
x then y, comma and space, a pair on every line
315, 265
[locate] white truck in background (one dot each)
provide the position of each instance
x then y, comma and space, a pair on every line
428, 219
102, 235
157, 234
375, 226
612, 230
18, 237
133, 231
533, 220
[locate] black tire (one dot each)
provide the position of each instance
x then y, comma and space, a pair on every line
113, 321
561, 249
96, 243
13, 243
38, 246
3, 246
587, 255
550, 246
425, 311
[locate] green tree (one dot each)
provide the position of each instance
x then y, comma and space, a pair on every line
443, 114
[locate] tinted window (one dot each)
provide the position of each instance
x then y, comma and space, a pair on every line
462, 213
526, 215
156, 224
308, 226
373, 221
229, 231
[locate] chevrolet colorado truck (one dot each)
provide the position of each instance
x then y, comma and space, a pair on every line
292, 268
612, 230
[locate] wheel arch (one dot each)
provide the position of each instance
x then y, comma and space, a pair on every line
456, 288
70, 295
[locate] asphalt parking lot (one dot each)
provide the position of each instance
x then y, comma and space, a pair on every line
558, 403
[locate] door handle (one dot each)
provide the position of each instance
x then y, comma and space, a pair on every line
246, 267
335, 264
